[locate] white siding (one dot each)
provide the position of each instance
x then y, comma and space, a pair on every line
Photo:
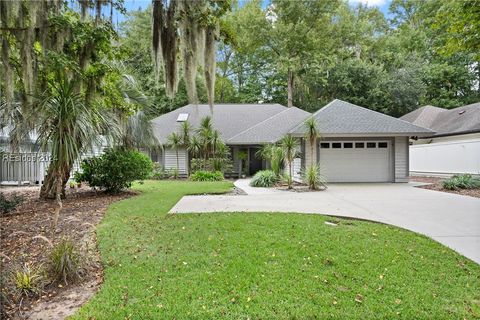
401, 159
296, 167
446, 157
171, 160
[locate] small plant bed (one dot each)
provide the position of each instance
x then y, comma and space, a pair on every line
435, 183
27, 244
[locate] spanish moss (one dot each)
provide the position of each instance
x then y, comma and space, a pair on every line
210, 63
165, 43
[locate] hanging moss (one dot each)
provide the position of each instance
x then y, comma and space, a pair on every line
190, 43
210, 62
8, 89
165, 44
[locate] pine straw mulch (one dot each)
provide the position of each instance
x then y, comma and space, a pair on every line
298, 187
436, 184
20, 244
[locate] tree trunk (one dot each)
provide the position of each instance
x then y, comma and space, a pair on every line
178, 165
290, 174
49, 188
290, 88
58, 197
312, 144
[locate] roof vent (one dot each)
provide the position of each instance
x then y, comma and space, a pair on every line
182, 117
461, 112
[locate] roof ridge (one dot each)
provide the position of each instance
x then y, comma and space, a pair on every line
386, 115
259, 123
312, 115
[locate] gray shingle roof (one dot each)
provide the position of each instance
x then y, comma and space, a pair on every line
343, 118
272, 129
447, 122
423, 116
229, 119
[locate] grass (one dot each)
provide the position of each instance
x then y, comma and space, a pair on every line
270, 266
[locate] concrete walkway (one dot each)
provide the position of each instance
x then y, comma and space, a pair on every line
450, 219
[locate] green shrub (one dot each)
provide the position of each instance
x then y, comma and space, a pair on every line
464, 181
207, 176
264, 178
28, 280
65, 262
314, 178
158, 172
115, 170
8, 205
212, 164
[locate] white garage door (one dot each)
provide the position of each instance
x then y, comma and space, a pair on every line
356, 161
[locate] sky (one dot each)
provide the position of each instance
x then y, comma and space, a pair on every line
381, 4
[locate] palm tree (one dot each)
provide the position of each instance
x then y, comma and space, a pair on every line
274, 154
186, 129
311, 135
174, 140
216, 142
137, 130
67, 126
205, 133
195, 146
289, 146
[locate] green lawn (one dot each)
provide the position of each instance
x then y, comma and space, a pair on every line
270, 266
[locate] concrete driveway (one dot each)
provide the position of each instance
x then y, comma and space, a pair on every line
450, 219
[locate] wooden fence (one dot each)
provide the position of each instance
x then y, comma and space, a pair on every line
23, 168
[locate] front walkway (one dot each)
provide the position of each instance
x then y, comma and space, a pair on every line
450, 219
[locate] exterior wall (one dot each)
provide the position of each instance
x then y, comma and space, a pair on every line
446, 156
170, 160
309, 156
401, 159
296, 165
156, 156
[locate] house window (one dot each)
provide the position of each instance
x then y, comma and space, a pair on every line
324, 145
336, 145
382, 145
348, 145
359, 145
371, 145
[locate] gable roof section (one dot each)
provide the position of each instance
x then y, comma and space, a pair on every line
342, 118
448, 122
272, 129
229, 119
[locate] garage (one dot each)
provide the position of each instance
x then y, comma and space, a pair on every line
356, 161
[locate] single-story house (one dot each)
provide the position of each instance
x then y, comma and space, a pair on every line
356, 144
243, 127
454, 148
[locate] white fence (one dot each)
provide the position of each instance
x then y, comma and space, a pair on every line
446, 158
23, 168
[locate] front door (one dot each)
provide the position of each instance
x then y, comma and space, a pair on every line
255, 163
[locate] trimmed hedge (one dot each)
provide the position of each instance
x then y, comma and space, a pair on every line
207, 176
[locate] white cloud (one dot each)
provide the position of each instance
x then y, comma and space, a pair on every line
371, 3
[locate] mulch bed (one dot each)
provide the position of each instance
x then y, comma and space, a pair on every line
436, 184
19, 244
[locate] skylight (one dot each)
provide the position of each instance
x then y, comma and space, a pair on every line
182, 117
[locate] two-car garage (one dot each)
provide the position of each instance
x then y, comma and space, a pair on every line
356, 160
